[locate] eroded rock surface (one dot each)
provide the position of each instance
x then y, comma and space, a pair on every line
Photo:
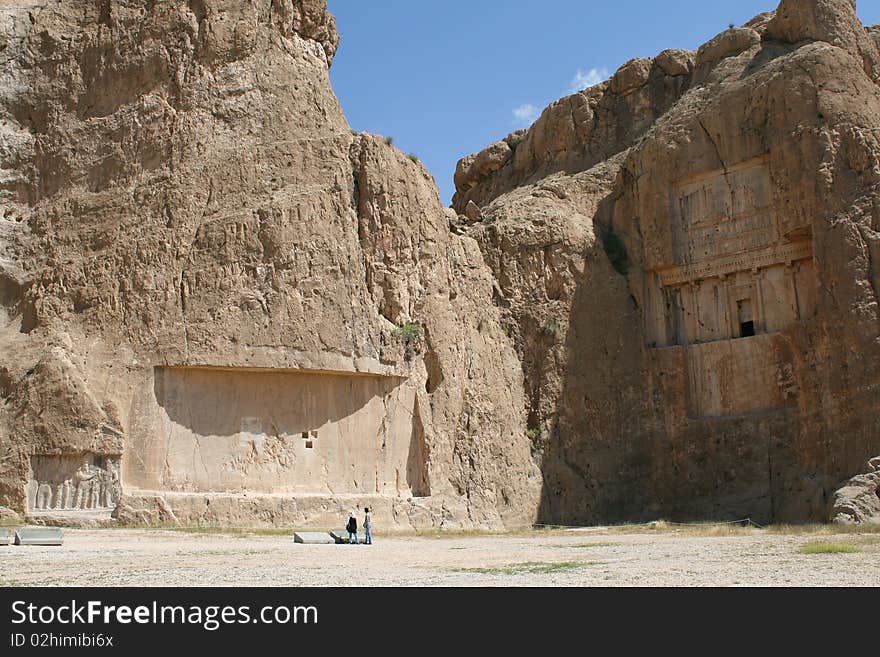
218, 304
186, 212
686, 257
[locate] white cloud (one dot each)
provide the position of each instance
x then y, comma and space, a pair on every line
525, 115
582, 80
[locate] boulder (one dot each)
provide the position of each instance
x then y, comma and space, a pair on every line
729, 43
631, 76
675, 62
857, 501
832, 21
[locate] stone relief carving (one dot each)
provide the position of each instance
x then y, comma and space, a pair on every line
733, 279
726, 265
730, 260
74, 483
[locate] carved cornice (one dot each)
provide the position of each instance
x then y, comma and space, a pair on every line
773, 255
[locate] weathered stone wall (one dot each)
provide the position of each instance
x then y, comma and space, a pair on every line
713, 352
659, 300
180, 190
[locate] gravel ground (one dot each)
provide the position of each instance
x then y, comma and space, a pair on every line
588, 557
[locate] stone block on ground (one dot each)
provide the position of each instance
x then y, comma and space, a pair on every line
315, 538
39, 536
5, 536
341, 536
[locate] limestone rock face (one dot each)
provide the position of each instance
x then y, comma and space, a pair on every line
308, 18
190, 228
631, 76
727, 44
688, 276
220, 305
831, 21
675, 62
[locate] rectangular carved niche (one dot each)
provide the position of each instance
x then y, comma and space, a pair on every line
212, 429
81, 482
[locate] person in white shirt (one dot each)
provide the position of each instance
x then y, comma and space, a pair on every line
368, 526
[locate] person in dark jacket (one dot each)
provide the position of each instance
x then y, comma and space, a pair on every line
352, 528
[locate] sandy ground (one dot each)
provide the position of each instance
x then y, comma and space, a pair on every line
588, 557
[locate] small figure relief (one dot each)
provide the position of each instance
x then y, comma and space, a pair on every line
786, 381
44, 496
58, 484
112, 488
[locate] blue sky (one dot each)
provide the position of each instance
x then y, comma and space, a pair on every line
446, 78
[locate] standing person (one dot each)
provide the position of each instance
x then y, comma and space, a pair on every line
352, 528
368, 525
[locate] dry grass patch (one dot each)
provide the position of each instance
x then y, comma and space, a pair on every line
744, 528
462, 533
528, 568
823, 547
826, 530
235, 532
686, 529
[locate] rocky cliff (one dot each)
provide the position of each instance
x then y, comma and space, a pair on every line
687, 258
219, 304
186, 212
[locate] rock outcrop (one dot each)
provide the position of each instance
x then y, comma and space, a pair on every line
8, 517
218, 304
686, 258
858, 499
185, 206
